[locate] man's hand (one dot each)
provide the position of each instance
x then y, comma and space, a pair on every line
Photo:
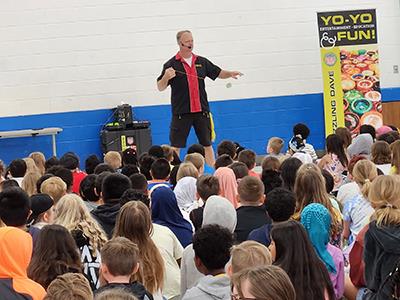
169, 73
224, 74
236, 74
163, 82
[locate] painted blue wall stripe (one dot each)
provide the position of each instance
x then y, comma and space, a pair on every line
248, 121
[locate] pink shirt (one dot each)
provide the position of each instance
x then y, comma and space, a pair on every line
337, 278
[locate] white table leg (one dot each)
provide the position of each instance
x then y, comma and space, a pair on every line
53, 138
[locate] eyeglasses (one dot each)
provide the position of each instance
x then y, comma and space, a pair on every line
237, 297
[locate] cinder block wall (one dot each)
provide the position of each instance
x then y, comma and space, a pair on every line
66, 63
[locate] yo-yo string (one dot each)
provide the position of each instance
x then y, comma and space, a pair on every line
181, 72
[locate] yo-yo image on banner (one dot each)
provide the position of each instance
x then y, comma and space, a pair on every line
348, 41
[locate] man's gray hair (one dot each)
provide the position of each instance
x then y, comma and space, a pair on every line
180, 33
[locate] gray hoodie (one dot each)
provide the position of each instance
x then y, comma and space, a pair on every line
361, 145
210, 287
217, 210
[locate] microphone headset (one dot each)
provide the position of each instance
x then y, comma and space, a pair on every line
183, 45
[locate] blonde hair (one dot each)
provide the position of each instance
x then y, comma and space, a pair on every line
134, 223
267, 282
384, 196
55, 187
395, 148
40, 160
30, 165
73, 215
196, 159
249, 254
309, 188
276, 144
113, 159
29, 183
364, 173
69, 286
186, 169
168, 152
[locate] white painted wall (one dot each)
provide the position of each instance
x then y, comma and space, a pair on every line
73, 55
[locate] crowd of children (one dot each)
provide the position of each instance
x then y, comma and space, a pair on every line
300, 226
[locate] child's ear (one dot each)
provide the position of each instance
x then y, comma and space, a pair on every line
46, 217
136, 268
198, 263
262, 199
238, 198
104, 271
229, 270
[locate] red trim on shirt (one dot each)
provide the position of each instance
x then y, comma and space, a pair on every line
193, 83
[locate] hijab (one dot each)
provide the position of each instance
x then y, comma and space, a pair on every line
185, 192
316, 219
228, 184
361, 145
218, 210
165, 211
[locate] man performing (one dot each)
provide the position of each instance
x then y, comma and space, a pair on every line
186, 72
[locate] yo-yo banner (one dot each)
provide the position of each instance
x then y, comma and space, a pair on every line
350, 69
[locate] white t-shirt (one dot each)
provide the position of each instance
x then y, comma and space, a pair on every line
357, 212
385, 168
347, 192
171, 250
189, 60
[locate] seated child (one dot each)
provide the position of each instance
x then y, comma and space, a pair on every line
223, 160
280, 205
264, 282
251, 213
226, 147
248, 157
302, 131
248, 254
197, 160
159, 171
274, 147
240, 170
316, 219
211, 245
119, 261
270, 163
55, 187
43, 211
207, 186
197, 148
16, 251
69, 285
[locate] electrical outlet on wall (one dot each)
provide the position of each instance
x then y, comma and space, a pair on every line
396, 69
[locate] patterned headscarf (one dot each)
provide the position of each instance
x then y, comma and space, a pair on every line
316, 219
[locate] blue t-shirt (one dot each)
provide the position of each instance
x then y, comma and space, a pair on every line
153, 184
208, 169
261, 235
